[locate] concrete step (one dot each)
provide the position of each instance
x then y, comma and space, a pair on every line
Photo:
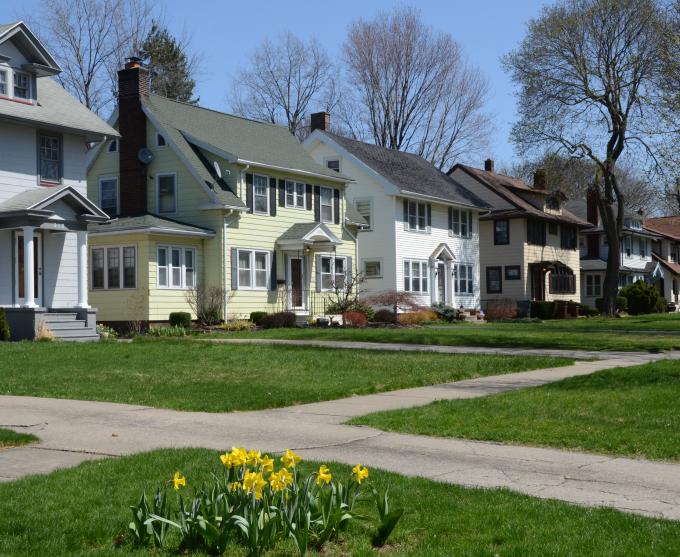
76, 334
63, 325
53, 317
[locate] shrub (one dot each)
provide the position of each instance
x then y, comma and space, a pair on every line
417, 317
500, 309
239, 325
444, 312
354, 319
180, 319
4, 326
278, 320
543, 310
643, 298
207, 302
588, 311
256, 317
354, 307
106, 332
44, 333
385, 316
621, 303
175, 331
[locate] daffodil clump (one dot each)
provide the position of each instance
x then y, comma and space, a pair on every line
257, 501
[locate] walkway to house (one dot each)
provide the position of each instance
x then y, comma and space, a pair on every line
73, 431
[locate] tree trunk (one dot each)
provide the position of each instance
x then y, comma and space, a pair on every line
612, 223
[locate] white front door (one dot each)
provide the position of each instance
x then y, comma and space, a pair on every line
19, 284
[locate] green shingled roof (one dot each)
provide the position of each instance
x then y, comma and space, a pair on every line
248, 141
149, 223
352, 216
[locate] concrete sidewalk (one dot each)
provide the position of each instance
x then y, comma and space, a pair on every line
75, 431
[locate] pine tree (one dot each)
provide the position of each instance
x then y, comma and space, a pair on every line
171, 69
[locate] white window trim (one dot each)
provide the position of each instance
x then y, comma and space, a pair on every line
121, 267
321, 205
326, 160
469, 223
426, 274
267, 195
99, 188
377, 260
469, 278
169, 266
7, 71
252, 252
285, 194
333, 258
593, 293
358, 200
29, 86
160, 175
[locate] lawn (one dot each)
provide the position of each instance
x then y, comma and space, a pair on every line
623, 411
645, 333
85, 511
187, 375
9, 438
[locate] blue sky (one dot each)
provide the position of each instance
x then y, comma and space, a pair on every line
224, 33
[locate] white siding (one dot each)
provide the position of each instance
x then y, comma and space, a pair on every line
60, 270
18, 166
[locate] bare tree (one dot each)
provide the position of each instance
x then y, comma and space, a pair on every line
90, 38
284, 80
416, 91
587, 72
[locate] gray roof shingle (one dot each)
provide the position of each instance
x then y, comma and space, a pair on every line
409, 173
148, 223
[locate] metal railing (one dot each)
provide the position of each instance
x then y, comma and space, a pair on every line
302, 301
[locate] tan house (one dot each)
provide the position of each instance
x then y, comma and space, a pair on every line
528, 241
666, 253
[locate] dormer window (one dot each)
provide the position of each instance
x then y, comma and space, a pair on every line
3, 83
21, 85
160, 140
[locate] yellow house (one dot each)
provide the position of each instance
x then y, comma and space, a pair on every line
207, 199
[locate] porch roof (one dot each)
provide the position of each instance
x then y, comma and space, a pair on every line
307, 233
150, 224
673, 267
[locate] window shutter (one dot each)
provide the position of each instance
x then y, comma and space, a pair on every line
249, 192
272, 271
234, 269
272, 197
317, 204
469, 223
450, 221
336, 206
282, 193
317, 260
308, 195
405, 214
348, 272
428, 213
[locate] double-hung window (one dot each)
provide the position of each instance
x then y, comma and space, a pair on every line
536, 233
417, 216
108, 196
50, 159
22, 88
642, 244
494, 280
3, 83
501, 232
114, 267
464, 282
593, 285
295, 194
176, 267
253, 269
364, 208
416, 276
167, 193
333, 272
260, 194
461, 223
326, 204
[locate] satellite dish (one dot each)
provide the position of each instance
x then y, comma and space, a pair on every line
218, 170
145, 155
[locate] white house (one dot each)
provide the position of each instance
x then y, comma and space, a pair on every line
423, 233
44, 212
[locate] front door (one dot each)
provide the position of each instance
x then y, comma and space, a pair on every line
537, 284
441, 283
296, 283
19, 271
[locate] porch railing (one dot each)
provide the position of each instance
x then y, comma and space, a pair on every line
302, 301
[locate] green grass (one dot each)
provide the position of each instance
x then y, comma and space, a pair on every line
624, 411
646, 333
9, 438
84, 511
211, 377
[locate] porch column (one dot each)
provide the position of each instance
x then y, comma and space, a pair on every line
29, 269
82, 269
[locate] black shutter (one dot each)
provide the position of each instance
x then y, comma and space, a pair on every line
308, 195
336, 206
272, 197
282, 193
450, 219
317, 203
272, 272
428, 212
405, 214
249, 192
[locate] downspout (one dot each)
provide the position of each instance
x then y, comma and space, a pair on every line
225, 271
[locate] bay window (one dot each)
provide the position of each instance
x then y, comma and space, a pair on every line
114, 267
176, 267
416, 276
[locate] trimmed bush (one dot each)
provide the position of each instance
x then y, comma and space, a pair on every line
356, 306
354, 319
500, 310
417, 317
543, 310
180, 319
621, 303
643, 298
444, 312
4, 326
257, 316
283, 319
385, 316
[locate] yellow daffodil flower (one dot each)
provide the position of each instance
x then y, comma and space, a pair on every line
254, 483
238, 456
234, 486
267, 464
360, 473
253, 458
178, 481
323, 475
290, 459
281, 479
226, 459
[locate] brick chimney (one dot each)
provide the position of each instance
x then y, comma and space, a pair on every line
320, 121
133, 84
488, 165
540, 179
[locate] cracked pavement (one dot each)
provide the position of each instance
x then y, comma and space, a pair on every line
72, 431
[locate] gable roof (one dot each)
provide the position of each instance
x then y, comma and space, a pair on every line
579, 207
238, 139
30, 46
507, 187
41, 198
410, 174
307, 233
666, 226
673, 267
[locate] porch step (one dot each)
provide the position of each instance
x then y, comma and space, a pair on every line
53, 317
66, 326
